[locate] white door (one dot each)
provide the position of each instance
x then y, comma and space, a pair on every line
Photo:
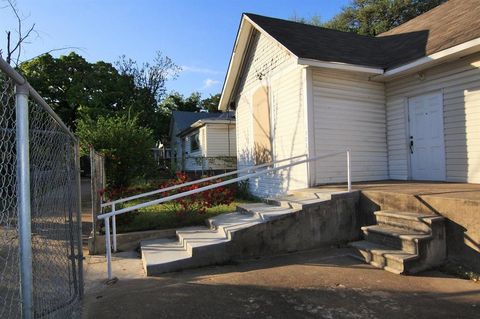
427, 146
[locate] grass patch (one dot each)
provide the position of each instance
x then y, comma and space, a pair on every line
164, 217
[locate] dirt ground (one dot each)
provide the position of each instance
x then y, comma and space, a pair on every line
323, 283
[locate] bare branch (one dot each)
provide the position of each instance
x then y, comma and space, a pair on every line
17, 47
54, 50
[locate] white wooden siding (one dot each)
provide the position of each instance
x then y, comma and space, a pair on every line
221, 140
349, 112
268, 64
460, 83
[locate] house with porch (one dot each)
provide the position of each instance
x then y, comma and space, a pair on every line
209, 145
406, 103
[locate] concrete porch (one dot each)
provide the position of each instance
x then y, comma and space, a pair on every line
459, 203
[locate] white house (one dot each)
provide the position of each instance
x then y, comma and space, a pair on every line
407, 102
207, 144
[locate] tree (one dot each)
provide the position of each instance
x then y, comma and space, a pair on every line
149, 81
372, 17
211, 103
125, 144
74, 87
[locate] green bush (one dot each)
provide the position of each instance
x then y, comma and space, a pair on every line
125, 144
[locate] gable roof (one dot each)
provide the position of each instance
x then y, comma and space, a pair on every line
452, 23
214, 118
449, 24
181, 120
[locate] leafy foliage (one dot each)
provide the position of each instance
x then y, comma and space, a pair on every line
76, 88
124, 142
71, 86
200, 202
372, 17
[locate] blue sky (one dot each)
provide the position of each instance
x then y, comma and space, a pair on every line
197, 34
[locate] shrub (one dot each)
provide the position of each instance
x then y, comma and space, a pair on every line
125, 144
198, 203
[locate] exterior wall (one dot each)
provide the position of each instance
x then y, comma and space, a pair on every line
348, 112
191, 164
221, 140
459, 81
214, 145
269, 65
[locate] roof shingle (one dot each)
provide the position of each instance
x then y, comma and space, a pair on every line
447, 25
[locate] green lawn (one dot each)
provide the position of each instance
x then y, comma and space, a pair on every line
163, 217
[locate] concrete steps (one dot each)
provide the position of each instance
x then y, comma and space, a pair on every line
200, 246
403, 242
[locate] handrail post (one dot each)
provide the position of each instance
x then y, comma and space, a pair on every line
108, 248
114, 229
349, 172
24, 200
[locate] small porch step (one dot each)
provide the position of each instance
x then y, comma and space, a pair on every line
396, 237
408, 220
403, 242
381, 256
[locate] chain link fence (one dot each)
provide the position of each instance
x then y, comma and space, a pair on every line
46, 221
9, 269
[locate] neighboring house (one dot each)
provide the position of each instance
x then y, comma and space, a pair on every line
206, 144
407, 102
180, 121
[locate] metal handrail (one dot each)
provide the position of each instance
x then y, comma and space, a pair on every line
113, 213
198, 181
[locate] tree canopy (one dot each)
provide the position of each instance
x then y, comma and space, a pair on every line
372, 17
77, 89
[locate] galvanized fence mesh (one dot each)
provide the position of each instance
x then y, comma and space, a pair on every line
56, 263
55, 216
9, 254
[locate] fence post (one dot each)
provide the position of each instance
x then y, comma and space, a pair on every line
108, 248
79, 218
349, 172
23, 198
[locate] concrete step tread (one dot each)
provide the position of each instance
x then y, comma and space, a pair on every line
298, 200
225, 220
201, 236
265, 211
383, 250
405, 215
402, 233
162, 251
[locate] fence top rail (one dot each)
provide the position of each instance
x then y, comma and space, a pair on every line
198, 181
20, 80
212, 186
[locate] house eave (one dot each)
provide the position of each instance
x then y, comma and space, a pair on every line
340, 66
436, 58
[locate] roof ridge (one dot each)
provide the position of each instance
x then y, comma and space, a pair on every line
310, 25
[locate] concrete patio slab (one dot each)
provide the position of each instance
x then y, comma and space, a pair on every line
323, 283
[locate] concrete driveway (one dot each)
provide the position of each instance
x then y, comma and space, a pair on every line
324, 283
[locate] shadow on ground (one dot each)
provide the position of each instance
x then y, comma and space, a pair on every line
324, 283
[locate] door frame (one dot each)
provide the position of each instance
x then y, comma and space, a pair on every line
407, 131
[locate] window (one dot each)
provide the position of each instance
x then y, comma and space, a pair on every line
194, 143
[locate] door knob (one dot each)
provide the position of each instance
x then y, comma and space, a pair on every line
411, 144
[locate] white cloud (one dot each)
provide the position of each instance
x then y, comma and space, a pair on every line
207, 83
194, 69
